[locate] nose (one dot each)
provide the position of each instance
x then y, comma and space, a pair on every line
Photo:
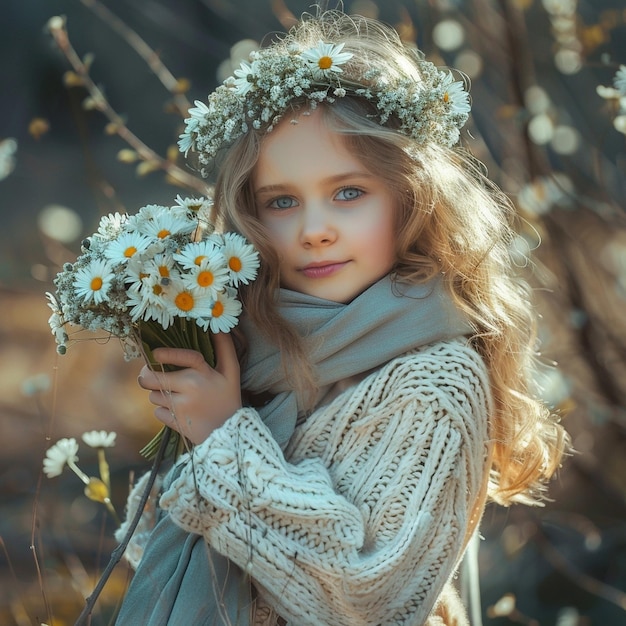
316, 227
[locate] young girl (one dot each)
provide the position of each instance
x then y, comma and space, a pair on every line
343, 450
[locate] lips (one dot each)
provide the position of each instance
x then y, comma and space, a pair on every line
322, 269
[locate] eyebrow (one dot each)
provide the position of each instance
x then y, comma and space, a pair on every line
337, 178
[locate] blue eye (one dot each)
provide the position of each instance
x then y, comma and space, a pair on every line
349, 193
284, 202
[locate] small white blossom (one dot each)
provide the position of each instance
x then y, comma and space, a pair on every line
619, 80
61, 453
99, 438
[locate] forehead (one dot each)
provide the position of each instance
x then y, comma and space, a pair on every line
303, 146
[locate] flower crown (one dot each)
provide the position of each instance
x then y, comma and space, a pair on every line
432, 109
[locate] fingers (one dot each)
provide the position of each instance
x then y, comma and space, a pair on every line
179, 357
226, 361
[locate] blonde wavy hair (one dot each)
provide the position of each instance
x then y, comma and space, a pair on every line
451, 220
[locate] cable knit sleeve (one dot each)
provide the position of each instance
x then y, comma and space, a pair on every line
362, 519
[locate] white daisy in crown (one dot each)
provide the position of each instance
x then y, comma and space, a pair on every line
241, 259
455, 95
243, 81
326, 58
92, 282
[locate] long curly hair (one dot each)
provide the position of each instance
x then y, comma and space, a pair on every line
452, 221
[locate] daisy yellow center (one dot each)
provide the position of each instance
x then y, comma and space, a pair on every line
205, 278
235, 264
325, 63
184, 301
218, 309
164, 271
157, 290
130, 251
163, 233
96, 283
446, 97
198, 260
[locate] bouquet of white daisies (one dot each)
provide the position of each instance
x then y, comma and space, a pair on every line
159, 278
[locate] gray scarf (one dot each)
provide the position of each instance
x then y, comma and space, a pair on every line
182, 580
344, 340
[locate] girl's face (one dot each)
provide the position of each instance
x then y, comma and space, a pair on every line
331, 221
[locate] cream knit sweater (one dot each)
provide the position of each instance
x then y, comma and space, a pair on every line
362, 520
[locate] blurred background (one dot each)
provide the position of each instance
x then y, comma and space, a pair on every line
547, 123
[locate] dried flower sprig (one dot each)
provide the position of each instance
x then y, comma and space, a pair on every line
80, 76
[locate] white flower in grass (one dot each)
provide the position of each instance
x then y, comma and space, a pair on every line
181, 301
326, 58
126, 246
99, 438
456, 96
225, 312
244, 77
61, 453
209, 276
619, 80
241, 258
93, 281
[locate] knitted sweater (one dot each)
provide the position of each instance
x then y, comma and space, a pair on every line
362, 519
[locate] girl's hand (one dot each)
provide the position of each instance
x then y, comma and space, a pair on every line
197, 399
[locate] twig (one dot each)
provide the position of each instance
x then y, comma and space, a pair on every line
116, 555
98, 101
168, 80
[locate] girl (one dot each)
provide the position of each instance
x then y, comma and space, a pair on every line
343, 451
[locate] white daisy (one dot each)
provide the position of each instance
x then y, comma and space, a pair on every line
224, 312
197, 206
244, 77
455, 95
57, 320
181, 301
241, 258
208, 276
125, 246
619, 80
194, 253
199, 112
149, 303
93, 281
99, 439
62, 452
325, 58
165, 223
